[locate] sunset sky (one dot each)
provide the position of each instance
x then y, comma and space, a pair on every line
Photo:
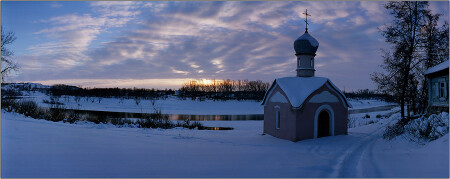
163, 44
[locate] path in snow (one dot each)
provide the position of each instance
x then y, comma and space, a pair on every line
361, 154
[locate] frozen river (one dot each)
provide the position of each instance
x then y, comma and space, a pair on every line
210, 117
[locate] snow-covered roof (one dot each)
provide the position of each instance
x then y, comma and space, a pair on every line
297, 89
439, 67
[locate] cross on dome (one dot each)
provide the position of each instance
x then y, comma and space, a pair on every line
306, 15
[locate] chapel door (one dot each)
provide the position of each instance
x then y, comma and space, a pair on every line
323, 124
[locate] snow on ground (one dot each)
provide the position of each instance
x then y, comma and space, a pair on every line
38, 148
361, 119
433, 158
173, 105
367, 103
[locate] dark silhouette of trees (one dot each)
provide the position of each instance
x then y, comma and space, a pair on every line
224, 89
368, 94
217, 90
127, 93
416, 44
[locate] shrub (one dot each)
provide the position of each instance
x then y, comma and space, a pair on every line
393, 130
197, 125
96, 119
117, 121
59, 113
187, 124
8, 104
379, 116
155, 123
367, 116
167, 124
120, 122
55, 114
428, 128
156, 120
72, 117
27, 108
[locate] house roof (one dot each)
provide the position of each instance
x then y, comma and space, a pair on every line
297, 89
437, 68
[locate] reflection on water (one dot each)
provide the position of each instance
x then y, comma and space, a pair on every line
217, 117
216, 128
123, 118
107, 115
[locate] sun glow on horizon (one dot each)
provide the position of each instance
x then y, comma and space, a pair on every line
210, 82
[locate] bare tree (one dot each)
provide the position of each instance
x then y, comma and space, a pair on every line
416, 44
403, 35
7, 64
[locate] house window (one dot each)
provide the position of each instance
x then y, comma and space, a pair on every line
277, 119
442, 90
312, 62
298, 63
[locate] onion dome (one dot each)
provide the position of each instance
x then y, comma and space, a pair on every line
306, 44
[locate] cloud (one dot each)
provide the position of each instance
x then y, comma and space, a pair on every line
55, 5
440, 8
71, 35
358, 20
185, 40
323, 12
374, 11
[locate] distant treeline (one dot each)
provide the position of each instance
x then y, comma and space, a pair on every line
201, 90
368, 94
197, 90
224, 89
142, 93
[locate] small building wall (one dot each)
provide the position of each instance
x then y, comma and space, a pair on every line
306, 116
287, 128
298, 124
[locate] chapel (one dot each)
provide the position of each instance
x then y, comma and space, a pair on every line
305, 106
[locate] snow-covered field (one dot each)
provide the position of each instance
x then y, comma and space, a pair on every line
173, 105
38, 148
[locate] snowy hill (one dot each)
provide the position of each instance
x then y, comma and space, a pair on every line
25, 85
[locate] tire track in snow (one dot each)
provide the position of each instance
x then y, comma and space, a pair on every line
348, 165
351, 163
374, 171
